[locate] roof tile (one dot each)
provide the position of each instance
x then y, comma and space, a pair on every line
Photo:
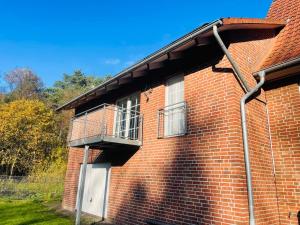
287, 44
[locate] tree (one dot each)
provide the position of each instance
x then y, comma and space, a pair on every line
23, 84
2, 92
2, 96
67, 89
29, 128
28, 133
71, 86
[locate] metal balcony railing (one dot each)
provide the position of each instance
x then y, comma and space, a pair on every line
172, 120
106, 124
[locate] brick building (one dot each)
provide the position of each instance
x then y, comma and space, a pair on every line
166, 140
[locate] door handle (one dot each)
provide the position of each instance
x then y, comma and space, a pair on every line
91, 199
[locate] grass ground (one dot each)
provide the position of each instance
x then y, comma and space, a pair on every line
25, 212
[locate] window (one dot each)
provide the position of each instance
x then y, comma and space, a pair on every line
174, 112
127, 117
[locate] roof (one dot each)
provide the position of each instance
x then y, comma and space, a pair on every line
197, 36
281, 70
287, 43
270, 23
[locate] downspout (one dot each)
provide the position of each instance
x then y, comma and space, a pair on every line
248, 94
246, 145
230, 58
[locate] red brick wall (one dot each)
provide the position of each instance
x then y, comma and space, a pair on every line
284, 109
198, 178
179, 180
247, 54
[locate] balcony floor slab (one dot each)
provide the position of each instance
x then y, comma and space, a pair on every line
104, 142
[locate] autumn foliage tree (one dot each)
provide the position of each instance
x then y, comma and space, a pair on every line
66, 89
32, 135
71, 86
23, 84
28, 133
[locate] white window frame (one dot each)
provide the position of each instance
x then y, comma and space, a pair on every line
168, 132
116, 132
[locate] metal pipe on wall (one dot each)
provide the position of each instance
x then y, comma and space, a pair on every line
246, 145
81, 185
248, 94
262, 75
231, 60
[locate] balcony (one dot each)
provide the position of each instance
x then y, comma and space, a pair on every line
106, 126
172, 120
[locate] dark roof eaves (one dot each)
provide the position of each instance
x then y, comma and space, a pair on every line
149, 58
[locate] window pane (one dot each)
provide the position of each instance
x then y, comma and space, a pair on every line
174, 115
127, 122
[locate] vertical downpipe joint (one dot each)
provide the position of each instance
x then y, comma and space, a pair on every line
246, 145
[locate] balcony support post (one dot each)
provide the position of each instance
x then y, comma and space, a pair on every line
81, 185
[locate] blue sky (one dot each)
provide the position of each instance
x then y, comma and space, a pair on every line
101, 37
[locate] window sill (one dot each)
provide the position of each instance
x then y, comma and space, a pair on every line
172, 136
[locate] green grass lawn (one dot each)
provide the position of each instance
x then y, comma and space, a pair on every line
23, 212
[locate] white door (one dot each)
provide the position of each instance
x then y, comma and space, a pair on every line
95, 189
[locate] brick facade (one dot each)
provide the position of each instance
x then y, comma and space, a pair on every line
284, 109
199, 178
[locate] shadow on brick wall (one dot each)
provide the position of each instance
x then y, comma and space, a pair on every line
184, 193
183, 200
115, 157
